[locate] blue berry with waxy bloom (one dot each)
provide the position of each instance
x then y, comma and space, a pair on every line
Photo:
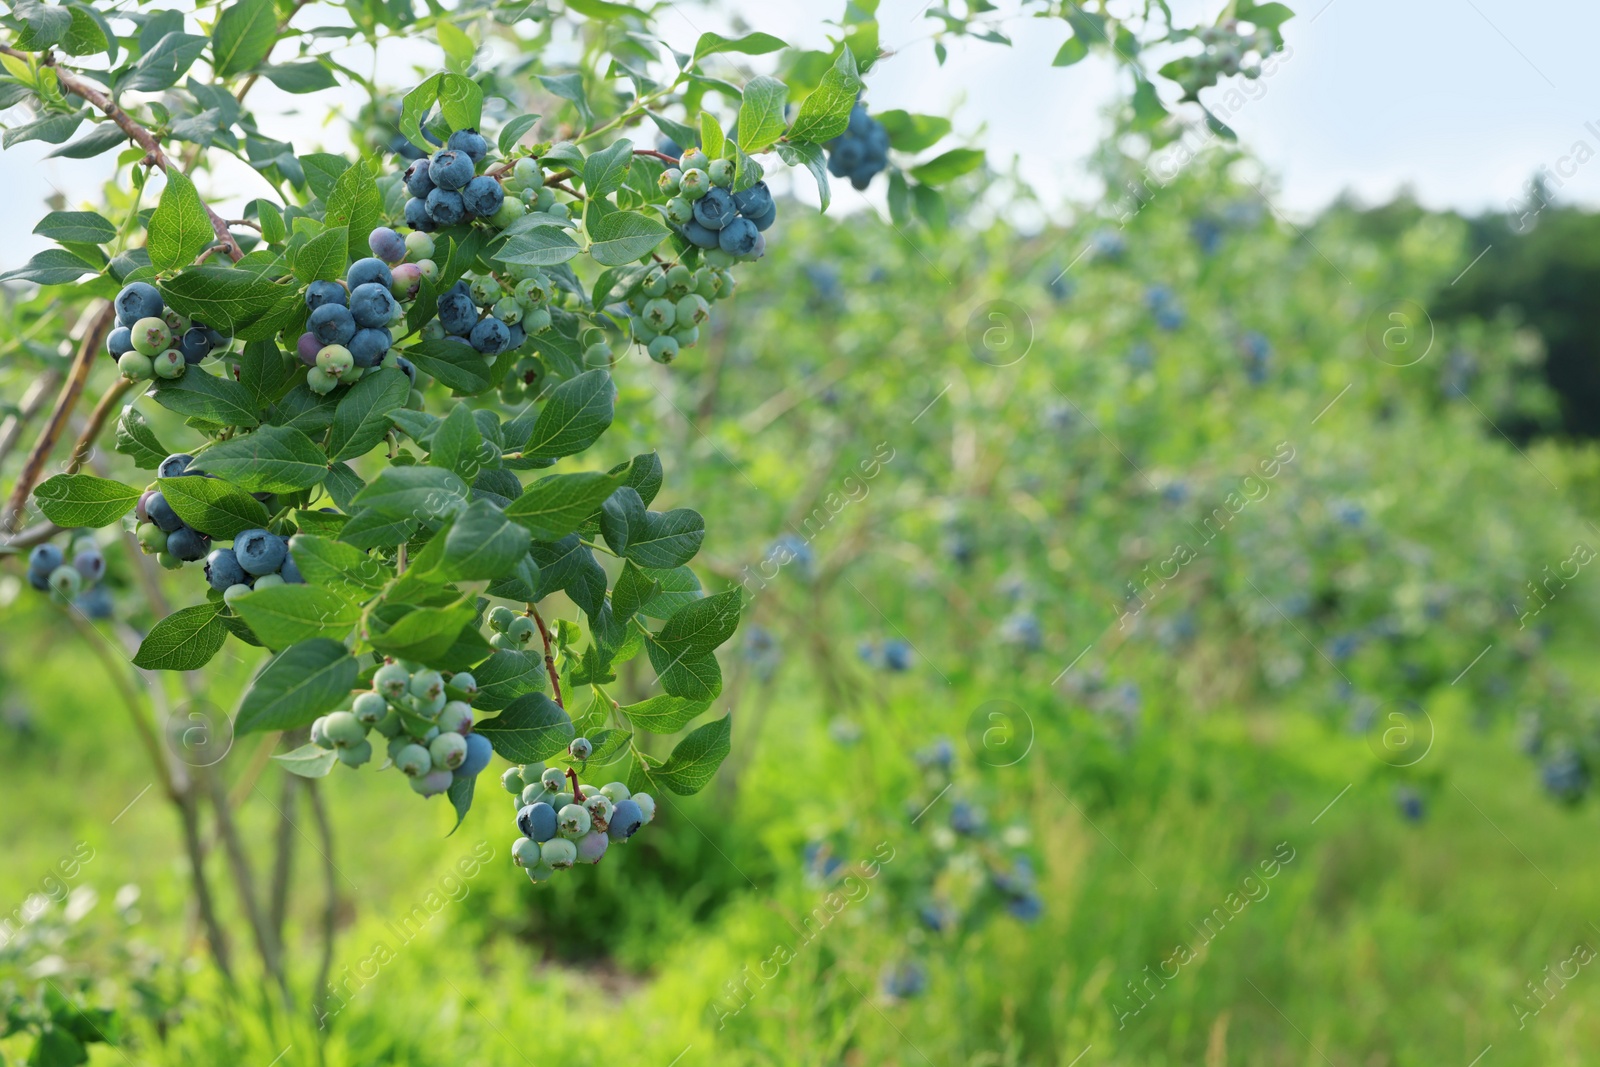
450, 170
715, 210
89, 562
457, 314
469, 141
764, 220
138, 300
387, 245
188, 544
307, 348
332, 324
482, 196
446, 207
368, 271
323, 292
290, 572
161, 513
119, 341
38, 581
738, 238
45, 558
479, 752
418, 217
260, 551
195, 345
418, 184
538, 821
369, 346
700, 236
626, 818
223, 570
96, 603
372, 304
756, 200
490, 336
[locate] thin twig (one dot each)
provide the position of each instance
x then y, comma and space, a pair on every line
656, 155
155, 157
549, 657
330, 908
88, 351
97, 421
32, 401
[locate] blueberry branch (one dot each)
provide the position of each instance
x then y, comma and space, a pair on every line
154, 156
673, 160
549, 657
577, 794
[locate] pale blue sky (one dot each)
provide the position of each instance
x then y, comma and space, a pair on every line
1460, 99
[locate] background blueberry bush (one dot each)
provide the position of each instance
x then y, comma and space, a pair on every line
925, 638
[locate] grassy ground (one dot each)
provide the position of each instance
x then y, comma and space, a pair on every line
1164, 941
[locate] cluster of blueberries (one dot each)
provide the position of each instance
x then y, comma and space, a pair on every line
478, 310
671, 303
348, 331
73, 575
861, 151
429, 730
446, 190
563, 826
152, 340
709, 215
1164, 306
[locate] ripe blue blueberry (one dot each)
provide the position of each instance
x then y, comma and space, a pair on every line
195, 344
490, 336
367, 271
715, 210
161, 513
701, 237
188, 544
537, 821
450, 170
223, 570
41, 582
119, 341
446, 207
897, 655
139, 300
319, 293
469, 141
45, 558
260, 551
332, 324
482, 196
96, 603
387, 245
174, 465
753, 201
626, 818
478, 753
580, 748
457, 314
764, 220
372, 304
418, 216
418, 183
369, 346
737, 238
89, 562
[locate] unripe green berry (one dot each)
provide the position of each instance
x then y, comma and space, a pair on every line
369, 708
693, 159
664, 348
455, 717
560, 211
721, 172
419, 246
510, 211
390, 725
598, 355
552, 779
659, 314
507, 310
537, 320
356, 755
679, 277
528, 173
427, 685
559, 853
391, 680
573, 821
234, 592
679, 211
521, 630
545, 200
694, 184
692, 310
151, 337
169, 561
429, 269
343, 729
135, 366
448, 750
668, 182
500, 618
151, 538
413, 760
511, 781
320, 381
464, 682
66, 581
525, 852
170, 364
267, 581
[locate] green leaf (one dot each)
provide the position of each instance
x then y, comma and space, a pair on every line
324, 257
101, 138
1072, 51
679, 587
569, 87
82, 500
686, 136
266, 373
323, 561
455, 365
285, 615
666, 539
604, 171
206, 396
574, 416
570, 566
162, 65
532, 728
663, 714
81, 227
760, 120
691, 675
135, 438
930, 206
512, 132
1148, 110
226, 299
619, 237
214, 507
702, 625
310, 76
309, 761
416, 493
506, 675
555, 506
460, 793
826, 112
357, 205
44, 25
455, 443
751, 44
541, 246
362, 417
53, 266
912, 133
296, 686
695, 759
813, 159
51, 129
713, 142
481, 544
273, 459
244, 35
948, 166
460, 103
185, 640
422, 634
